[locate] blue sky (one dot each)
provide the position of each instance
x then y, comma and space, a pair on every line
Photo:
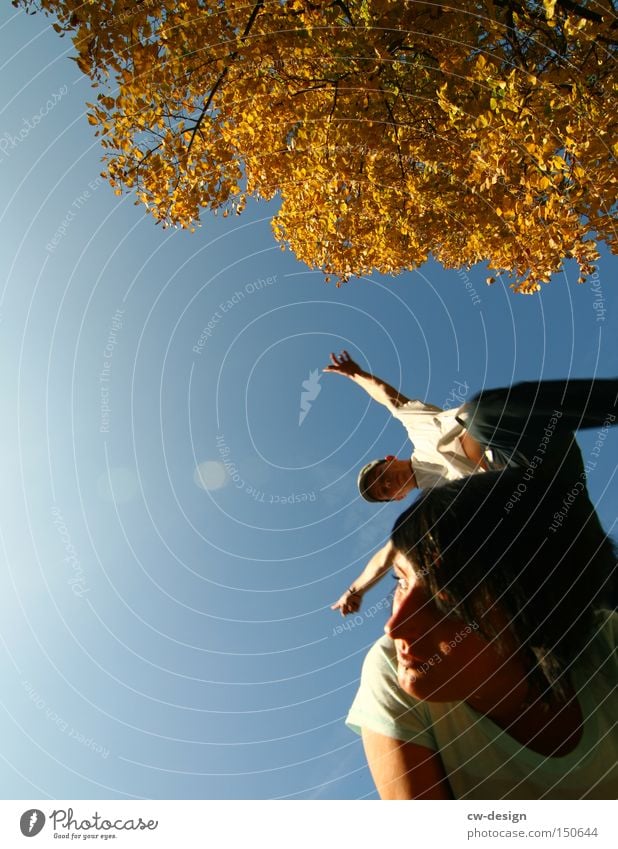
167, 632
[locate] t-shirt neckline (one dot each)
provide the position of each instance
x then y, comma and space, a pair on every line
557, 763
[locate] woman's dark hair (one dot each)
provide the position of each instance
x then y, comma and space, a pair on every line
533, 547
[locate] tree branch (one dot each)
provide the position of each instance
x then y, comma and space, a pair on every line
582, 11
396, 126
345, 10
259, 5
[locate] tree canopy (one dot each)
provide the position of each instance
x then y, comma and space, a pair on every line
390, 130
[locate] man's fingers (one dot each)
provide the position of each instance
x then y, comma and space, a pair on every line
337, 362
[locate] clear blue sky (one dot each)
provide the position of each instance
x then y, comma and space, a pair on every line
167, 632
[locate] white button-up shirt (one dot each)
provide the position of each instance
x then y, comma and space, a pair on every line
438, 453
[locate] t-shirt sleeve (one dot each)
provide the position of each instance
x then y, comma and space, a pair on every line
382, 706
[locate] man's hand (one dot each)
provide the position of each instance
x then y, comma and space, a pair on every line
377, 567
344, 364
349, 602
373, 386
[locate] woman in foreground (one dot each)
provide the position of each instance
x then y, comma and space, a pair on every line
497, 677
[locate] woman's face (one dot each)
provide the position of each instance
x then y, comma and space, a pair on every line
441, 658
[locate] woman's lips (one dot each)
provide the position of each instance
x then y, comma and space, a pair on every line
409, 661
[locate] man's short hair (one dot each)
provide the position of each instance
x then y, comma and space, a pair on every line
366, 480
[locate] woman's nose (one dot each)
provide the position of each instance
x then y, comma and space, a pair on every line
399, 624
413, 614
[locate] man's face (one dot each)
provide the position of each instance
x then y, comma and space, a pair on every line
392, 480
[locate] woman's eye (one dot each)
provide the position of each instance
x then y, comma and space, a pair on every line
402, 584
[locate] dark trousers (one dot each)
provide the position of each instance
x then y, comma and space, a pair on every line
539, 420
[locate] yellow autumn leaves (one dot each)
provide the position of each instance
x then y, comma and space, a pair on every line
390, 131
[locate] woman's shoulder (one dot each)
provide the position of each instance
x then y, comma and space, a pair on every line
380, 664
382, 706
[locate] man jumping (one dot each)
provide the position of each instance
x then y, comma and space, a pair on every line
527, 425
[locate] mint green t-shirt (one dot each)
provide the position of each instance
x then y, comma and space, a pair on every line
481, 760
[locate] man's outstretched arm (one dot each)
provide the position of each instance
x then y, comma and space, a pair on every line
377, 567
377, 389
